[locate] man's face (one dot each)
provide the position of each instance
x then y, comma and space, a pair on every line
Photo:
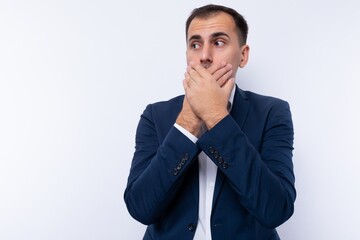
214, 40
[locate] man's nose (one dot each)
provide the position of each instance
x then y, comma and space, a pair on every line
206, 57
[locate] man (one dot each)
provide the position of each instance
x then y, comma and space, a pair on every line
215, 163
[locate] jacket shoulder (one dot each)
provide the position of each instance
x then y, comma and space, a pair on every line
260, 101
252, 96
165, 109
161, 105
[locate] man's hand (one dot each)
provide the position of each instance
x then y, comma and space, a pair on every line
208, 91
221, 72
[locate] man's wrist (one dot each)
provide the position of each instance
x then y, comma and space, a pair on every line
193, 138
211, 121
190, 124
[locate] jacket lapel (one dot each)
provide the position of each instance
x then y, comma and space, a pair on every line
239, 112
240, 107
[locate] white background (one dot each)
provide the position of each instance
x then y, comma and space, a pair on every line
75, 76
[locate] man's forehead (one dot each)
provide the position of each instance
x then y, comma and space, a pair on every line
220, 22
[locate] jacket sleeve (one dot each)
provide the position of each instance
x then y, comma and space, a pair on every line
158, 169
262, 178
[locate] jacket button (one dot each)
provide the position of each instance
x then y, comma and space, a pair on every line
225, 165
192, 227
176, 172
220, 160
216, 154
211, 150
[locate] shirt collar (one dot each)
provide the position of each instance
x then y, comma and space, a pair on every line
231, 98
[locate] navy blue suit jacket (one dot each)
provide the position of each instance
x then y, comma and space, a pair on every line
254, 190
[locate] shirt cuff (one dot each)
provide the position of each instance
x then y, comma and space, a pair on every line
186, 133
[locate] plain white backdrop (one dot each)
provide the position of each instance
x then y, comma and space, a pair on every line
76, 75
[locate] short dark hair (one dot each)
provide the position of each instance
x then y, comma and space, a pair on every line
211, 10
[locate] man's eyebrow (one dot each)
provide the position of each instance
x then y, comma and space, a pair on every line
219, 34
213, 35
194, 37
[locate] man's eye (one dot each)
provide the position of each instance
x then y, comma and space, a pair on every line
219, 43
195, 46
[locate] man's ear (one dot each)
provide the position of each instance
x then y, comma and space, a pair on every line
245, 49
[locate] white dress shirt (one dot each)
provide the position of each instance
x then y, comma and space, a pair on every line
207, 177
